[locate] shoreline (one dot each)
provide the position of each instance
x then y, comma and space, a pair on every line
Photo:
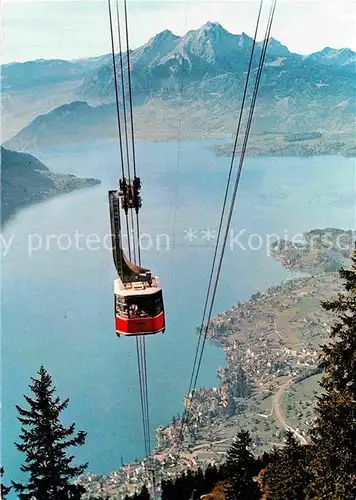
286, 145
223, 150
270, 344
82, 183
165, 459
260, 143
27, 181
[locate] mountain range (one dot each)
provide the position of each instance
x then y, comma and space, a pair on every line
197, 78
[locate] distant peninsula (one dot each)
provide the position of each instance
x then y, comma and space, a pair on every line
321, 251
26, 180
296, 144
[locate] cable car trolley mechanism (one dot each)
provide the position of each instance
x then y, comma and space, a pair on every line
138, 301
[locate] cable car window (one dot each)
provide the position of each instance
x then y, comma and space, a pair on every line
158, 305
136, 311
142, 306
138, 307
121, 306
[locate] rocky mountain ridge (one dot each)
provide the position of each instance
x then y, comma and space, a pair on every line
196, 80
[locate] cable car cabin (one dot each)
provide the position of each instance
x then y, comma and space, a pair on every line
138, 308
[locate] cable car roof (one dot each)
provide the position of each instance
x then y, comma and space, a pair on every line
136, 288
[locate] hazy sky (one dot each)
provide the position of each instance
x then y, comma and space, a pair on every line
70, 29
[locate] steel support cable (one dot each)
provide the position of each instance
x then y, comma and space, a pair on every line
136, 242
226, 194
238, 176
223, 209
118, 114
130, 88
141, 393
141, 354
145, 391
141, 342
116, 89
130, 234
123, 89
178, 158
132, 132
146, 395
125, 117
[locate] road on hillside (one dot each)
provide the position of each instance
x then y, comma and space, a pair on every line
278, 409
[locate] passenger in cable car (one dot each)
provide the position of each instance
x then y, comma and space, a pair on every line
133, 311
136, 312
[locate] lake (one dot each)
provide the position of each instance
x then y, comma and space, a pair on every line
57, 293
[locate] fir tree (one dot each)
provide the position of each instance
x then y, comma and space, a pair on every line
144, 494
186, 486
211, 477
334, 435
45, 442
286, 474
182, 486
4, 490
240, 468
167, 488
198, 482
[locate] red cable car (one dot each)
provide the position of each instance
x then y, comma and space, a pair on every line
138, 308
138, 296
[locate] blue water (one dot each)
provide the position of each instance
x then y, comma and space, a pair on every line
58, 307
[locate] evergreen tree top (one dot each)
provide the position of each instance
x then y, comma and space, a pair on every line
4, 490
45, 442
334, 434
